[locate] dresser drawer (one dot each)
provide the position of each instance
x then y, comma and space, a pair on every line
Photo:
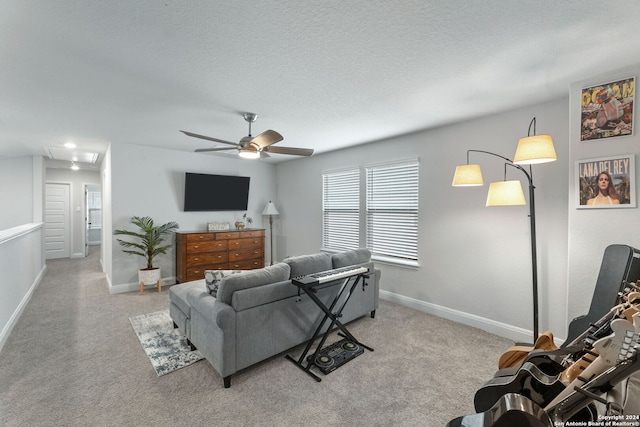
199, 237
197, 273
246, 264
251, 254
239, 244
206, 259
251, 233
210, 246
227, 235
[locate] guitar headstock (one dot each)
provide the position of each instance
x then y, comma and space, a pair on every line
615, 346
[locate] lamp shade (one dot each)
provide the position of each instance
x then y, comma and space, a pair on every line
535, 149
467, 176
270, 209
505, 193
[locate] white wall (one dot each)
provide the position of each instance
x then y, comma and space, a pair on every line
16, 191
149, 181
21, 237
592, 230
77, 180
475, 262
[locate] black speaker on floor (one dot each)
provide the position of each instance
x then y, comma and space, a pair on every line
620, 264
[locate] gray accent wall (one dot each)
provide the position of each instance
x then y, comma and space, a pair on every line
475, 261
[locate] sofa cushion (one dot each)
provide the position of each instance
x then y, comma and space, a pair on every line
178, 294
213, 277
267, 294
354, 257
250, 279
308, 264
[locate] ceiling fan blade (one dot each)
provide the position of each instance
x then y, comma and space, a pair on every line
267, 138
204, 150
208, 138
289, 150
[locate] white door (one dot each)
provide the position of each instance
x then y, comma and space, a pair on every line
57, 207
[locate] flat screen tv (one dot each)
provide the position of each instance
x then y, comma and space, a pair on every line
203, 192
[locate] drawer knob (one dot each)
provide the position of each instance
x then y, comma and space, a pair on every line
196, 259
196, 247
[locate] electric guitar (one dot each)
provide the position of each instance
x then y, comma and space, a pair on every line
534, 382
611, 350
628, 362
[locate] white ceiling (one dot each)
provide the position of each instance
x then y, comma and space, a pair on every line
323, 74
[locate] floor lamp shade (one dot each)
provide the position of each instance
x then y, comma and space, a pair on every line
270, 209
467, 176
535, 149
505, 193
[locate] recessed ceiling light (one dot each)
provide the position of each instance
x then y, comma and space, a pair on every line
70, 145
74, 167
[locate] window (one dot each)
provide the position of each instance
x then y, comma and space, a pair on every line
392, 211
94, 209
341, 210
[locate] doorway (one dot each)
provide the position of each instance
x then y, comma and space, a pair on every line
57, 212
93, 216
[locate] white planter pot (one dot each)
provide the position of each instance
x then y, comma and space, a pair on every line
150, 277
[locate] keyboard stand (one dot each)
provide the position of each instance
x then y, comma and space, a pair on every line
329, 314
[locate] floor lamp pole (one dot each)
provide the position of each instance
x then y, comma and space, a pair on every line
534, 257
270, 239
270, 210
532, 219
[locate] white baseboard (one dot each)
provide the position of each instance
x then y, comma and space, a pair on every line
6, 331
501, 329
135, 287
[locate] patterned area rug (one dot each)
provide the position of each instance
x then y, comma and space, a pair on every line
165, 346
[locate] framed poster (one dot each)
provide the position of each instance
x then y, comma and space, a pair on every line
607, 182
607, 110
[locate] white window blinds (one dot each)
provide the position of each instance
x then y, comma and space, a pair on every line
392, 210
341, 209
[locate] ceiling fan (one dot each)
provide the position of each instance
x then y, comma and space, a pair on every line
253, 147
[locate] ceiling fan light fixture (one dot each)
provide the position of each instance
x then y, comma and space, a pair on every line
248, 154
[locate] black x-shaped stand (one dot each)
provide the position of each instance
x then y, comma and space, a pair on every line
329, 314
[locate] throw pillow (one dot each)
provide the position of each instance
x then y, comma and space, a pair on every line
213, 278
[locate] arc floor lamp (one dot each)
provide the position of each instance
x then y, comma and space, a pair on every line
531, 150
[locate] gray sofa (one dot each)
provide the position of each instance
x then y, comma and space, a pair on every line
259, 313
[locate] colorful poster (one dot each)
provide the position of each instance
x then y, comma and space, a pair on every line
607, 110
606, 182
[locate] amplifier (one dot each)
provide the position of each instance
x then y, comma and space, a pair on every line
337, 354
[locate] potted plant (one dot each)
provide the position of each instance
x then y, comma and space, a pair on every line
148, 243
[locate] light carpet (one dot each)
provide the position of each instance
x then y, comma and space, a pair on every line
166, 347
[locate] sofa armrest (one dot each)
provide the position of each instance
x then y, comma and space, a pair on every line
213, 331
217, 312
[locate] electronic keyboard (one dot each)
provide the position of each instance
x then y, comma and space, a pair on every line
329, 275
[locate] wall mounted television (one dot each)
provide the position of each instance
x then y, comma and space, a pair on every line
204, 192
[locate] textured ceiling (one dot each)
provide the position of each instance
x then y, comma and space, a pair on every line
323, 74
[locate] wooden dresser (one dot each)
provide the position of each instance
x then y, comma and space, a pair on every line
217, 250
